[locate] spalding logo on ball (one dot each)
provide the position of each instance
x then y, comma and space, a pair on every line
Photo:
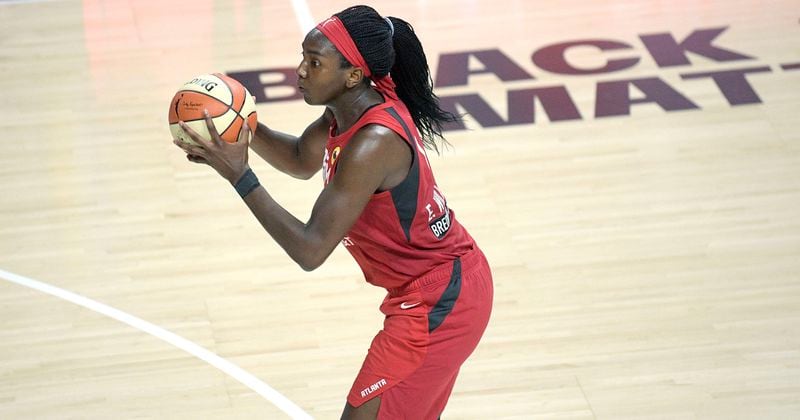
227, 101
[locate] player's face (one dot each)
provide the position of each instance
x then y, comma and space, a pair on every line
320, 77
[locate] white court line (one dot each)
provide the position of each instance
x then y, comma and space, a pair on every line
306, 22
10, 2
303, 14
218, 362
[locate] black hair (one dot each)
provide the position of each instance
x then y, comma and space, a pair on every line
395, 49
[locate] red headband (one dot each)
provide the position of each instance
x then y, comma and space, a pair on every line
334, 30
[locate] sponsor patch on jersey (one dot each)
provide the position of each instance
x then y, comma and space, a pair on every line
440, 226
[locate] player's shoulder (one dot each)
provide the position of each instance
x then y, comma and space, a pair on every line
375, 139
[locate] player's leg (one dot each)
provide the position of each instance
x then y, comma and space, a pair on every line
367, 411
459, 317
413, 363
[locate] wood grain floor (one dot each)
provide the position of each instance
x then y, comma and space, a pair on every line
647, 265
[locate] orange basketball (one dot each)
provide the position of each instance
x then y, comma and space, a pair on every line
228, 103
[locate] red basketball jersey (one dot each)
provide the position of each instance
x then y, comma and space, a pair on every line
408, 230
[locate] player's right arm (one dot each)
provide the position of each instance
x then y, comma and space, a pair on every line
300, 157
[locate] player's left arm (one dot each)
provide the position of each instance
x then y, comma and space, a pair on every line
376, 159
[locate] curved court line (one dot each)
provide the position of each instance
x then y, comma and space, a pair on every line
213, 359
9, 2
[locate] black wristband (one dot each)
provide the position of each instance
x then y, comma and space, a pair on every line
246, 183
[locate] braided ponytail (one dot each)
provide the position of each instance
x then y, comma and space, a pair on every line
415, 85
390, 46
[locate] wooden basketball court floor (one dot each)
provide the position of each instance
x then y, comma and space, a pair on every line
642, 223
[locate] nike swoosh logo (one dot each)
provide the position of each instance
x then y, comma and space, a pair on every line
406, 305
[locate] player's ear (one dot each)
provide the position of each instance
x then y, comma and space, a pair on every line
354, 77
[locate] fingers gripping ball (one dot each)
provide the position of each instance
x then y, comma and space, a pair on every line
228, 103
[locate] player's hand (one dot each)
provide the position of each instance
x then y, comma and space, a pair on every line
228, 159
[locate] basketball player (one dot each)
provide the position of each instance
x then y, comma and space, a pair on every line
380, 200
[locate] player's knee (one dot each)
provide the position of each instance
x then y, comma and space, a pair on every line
366, 411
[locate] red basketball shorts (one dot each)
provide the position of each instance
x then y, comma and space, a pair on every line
432, 325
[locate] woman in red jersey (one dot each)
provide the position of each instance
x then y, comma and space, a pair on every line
380, 200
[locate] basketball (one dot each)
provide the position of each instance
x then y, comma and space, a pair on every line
228, 103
